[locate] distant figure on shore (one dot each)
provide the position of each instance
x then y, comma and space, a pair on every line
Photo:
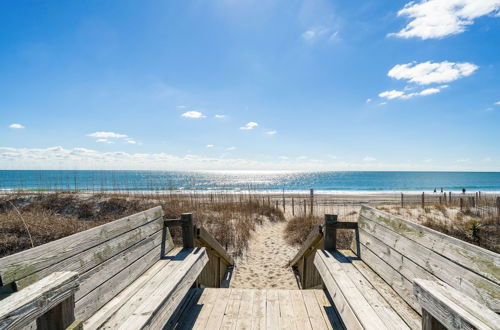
463, 190
441, 190
434, 190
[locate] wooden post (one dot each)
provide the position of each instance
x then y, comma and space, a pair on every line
449, 197
330, 236
402, 200
187, 230
498, 207
440, 200
277, 205
312, 200
479, 195
461, 203
423, 200
293, 207
59, 317
430, 323
305, 207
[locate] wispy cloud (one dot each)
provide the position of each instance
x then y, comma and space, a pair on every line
193, 114
272, 132
104, 141
497, 103
250, 125
107, 135
210, 145
231, 148
441, 18
369, 159
316, 33
181, 106
219, 116
432, 72
16, 126
396, 94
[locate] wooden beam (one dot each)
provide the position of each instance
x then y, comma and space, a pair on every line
209, 241
330, 242
314, 236
187, 230
23, 307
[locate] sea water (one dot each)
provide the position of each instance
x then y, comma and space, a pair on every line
262, 181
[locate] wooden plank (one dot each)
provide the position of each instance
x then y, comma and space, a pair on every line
21, 308
332, 319
408, 314
188, 317
299, 310
87, 305
217, 314
272, 309
208, 300
98, 275
313, 310
259, 312
59, 317
452, 308
391, 319
354, 309
287, 317
479, 260
153, 304
475, 285
246, 308
117, 299
98, 254
22, 264
311, 240
232, 309
210, 242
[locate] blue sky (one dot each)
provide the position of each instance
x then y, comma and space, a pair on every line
250, 85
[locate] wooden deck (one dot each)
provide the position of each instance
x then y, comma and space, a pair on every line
257, 309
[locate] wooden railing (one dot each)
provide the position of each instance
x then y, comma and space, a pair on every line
219, 266
321, 237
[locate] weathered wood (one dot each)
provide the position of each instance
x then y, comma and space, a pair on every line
287, 316
22, 264
88, 259
58, 318
430, 323
330, 232
478, 287
355, 311
210, 242
246, 310
314, 236
452, 308
21, 308
482, 261
233, 308
187, 230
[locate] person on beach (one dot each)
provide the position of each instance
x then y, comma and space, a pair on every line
434, 190
441, 190
463, 190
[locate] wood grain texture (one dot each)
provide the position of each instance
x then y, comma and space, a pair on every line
209, 241
314, 236
22, 308
452, 308
25, 263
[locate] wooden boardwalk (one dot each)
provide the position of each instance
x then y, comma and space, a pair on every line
257, 309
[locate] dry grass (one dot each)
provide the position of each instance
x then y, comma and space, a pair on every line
468, 225
55, 215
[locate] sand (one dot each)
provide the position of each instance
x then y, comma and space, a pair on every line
264, 265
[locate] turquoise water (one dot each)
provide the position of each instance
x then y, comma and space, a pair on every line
262, 181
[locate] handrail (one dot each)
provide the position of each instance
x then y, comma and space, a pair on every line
312, 239
205, 237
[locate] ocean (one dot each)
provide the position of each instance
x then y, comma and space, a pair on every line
259, 181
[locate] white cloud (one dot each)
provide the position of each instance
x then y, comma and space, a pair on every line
193, 114
231, 148
368, 100
369, 159
316, 33
219, 116
432, 72
104, 141
16, 126
497, 103
272, 132
429, 91
441, 18
393, 94
210, 146
131, 141
250, 125
107, 135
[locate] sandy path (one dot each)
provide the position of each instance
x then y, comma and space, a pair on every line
264, 266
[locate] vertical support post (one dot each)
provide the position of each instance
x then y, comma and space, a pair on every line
312, 200
293, 207
187, 230
430, 323
277, 205
461, 203
498, 207
330, 236
449, 197
423, 200
305, 207
59, 317
440, 200
479, 195
217, 274
402, 200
